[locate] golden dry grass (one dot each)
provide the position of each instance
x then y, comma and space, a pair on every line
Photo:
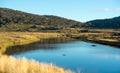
102, 35
109, 37
8, 64
19, 38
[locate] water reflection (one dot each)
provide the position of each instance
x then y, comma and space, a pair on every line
45, 44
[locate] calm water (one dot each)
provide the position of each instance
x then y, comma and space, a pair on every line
77, 55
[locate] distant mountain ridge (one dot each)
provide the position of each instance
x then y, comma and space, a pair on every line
113, 23
23, 21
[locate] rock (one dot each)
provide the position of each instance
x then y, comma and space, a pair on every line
64, 54
93, 45
34, 26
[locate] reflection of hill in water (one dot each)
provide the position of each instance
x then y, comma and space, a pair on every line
55, 40
42, 44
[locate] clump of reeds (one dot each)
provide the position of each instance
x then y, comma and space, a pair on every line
8, 64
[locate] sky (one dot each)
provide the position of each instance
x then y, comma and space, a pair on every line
80, 10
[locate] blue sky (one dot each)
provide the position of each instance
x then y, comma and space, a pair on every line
80, 10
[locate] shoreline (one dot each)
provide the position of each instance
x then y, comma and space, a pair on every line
102, 42
100, 38
18, 39
107, 43
111, 44
22, 38
16, 49
32, 45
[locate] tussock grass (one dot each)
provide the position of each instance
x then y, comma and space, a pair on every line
8, 64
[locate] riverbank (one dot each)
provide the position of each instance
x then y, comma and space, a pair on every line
108, 42
21, 38
37, 45
9, 64
105, 37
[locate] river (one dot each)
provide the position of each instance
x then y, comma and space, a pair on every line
80, 56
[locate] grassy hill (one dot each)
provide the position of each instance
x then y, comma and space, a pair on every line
13, 20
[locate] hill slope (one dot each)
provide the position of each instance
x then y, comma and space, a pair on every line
13, 20
9, 16
113, 23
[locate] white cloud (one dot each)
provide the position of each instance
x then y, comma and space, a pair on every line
117, 9
110, 9
105, 9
